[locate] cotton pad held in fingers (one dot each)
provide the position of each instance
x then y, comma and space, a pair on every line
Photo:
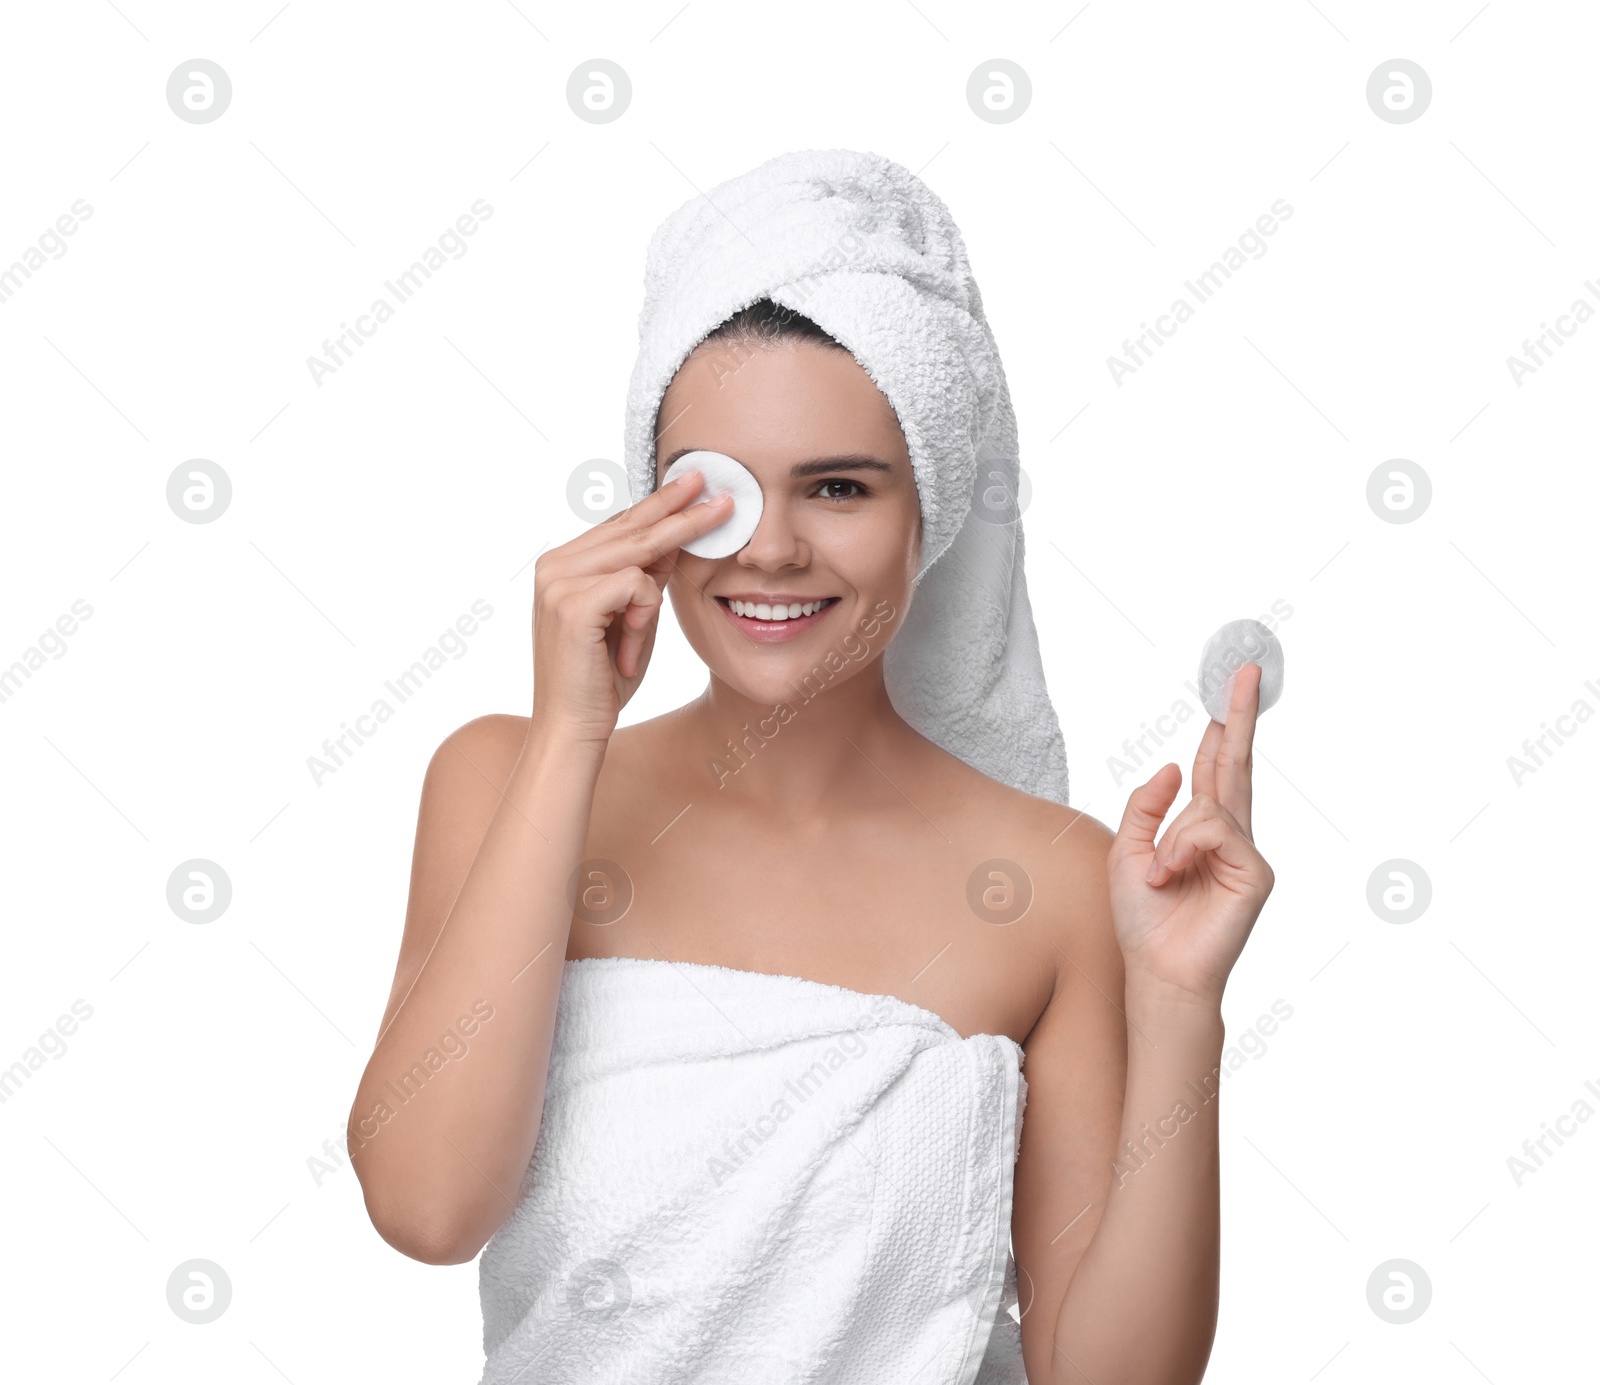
723, 475
1236, 644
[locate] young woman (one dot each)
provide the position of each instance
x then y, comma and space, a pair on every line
837, 849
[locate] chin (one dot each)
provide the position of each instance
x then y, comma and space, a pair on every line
767, 690
768, 674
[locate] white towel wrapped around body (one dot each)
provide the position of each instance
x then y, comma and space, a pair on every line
744, 1177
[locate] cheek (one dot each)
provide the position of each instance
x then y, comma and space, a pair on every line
913, 543
886, 558
687, 583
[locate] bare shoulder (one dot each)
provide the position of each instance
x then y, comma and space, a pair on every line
1066, 857
479, 757
476, 759
1062, 849
466, 777
465, 781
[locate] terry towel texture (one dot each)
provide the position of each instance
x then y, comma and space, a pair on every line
759, 1180
864, 248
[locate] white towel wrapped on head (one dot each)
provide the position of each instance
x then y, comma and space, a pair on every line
743, 1177
863, 247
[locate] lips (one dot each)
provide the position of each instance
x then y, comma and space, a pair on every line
773, 629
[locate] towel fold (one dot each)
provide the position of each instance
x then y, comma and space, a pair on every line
743, 1177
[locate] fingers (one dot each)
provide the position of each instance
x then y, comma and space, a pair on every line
1222, 765
647, 534
1203, 776
1233, 762
1147, 807
1205, 825
638, 625
662, 501
627, 604
655, 549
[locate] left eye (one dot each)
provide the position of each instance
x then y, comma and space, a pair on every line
825, 490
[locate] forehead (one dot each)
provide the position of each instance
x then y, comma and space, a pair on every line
788, 402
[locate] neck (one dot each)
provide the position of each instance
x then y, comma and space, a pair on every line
797, 759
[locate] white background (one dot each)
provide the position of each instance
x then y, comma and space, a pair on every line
369, 512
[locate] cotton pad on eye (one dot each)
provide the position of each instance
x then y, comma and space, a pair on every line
1236, 644
723, 475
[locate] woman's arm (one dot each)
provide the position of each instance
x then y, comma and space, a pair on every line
1116, 1215
447, 1112
1129, 1294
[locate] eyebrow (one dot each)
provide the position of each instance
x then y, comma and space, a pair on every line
819, 466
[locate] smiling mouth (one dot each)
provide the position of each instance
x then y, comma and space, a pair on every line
761, 620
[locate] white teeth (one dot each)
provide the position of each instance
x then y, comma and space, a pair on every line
760, 610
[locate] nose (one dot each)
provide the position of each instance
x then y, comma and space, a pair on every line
776, 543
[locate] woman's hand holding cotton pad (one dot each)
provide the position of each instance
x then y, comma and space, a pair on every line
723, 476
1236, 644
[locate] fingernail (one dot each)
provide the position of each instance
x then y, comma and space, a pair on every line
684, 477
1150, 874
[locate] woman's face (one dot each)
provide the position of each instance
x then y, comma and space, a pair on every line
840, 520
